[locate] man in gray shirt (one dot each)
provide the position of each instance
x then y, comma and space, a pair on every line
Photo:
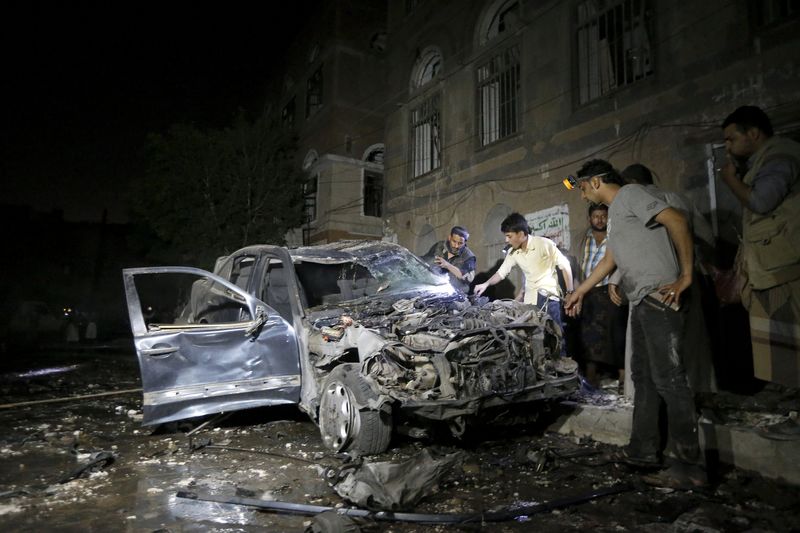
698, 362
652, 245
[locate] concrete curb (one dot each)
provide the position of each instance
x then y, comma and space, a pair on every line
743, 447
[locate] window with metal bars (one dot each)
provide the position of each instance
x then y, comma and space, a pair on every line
426, 136
614, 47
314, 92
498, 93
310, 198
373, 193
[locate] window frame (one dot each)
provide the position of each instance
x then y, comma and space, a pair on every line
310, 199
588, 64
317, 81
380, 190
517, 114
497, 12
433, 99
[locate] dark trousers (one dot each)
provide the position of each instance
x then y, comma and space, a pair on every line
658, 375
554, 310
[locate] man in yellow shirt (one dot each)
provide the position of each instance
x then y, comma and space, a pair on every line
537, 258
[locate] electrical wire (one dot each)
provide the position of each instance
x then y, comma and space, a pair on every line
635, 139
462, 51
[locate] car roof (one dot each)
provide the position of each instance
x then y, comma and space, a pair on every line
334, 252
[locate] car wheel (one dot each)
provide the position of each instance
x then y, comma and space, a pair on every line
345, 427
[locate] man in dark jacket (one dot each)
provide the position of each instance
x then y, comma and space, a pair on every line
454, 258
764, 174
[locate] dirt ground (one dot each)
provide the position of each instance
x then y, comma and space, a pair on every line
276, 454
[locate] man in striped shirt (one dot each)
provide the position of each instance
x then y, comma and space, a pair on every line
602, 344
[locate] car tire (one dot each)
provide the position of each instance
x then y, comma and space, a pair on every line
344, 427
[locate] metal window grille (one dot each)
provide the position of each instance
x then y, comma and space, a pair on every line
613, 46
425, 137
373, 194
314, 92
310, 199
498, 91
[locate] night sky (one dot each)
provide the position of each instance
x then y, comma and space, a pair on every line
85, 83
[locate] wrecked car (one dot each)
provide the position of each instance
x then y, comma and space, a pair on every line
362, 335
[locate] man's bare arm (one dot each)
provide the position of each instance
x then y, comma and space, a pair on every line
566, 271
573, 302
481, 287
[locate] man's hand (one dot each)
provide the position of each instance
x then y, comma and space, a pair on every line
728, 172
672, 292
730, 176
572, 304
615, 294
480, 288
442, 262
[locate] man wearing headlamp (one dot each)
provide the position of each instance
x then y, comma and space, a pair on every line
651, 244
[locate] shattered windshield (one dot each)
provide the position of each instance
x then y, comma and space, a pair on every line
384, 272
396, 268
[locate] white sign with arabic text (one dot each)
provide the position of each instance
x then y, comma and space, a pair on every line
552, 223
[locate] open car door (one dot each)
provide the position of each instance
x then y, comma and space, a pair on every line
207, 346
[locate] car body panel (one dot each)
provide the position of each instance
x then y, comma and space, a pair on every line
191, 368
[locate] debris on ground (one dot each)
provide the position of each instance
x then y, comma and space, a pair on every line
392, 485
276, 455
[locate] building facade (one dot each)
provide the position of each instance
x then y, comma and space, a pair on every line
495, 102
333, 97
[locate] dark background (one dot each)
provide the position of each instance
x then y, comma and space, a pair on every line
85, 82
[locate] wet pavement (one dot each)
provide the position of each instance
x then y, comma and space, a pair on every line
276, 454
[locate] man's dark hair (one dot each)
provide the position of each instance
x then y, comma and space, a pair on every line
597, 207
461, 231
637, 173
749, 116
596, 167
514, 223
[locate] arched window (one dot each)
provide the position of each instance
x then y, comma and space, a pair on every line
425, 134
374, 154
500, 19
426, 68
